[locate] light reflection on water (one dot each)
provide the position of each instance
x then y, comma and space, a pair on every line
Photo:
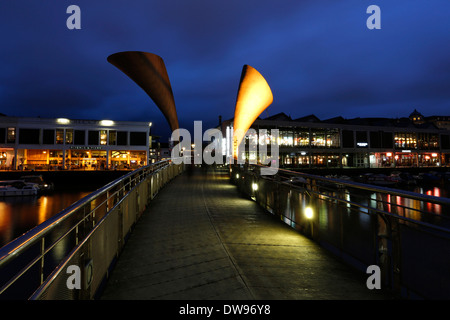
406, 207
20, 214
356, 211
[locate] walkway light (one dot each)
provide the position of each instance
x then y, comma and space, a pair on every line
254, 186
237, 175
309, 213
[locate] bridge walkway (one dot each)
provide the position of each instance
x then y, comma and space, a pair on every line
200, 240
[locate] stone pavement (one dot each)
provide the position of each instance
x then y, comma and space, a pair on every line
200, 240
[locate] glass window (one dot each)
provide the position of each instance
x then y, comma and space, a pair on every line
93, 138
348, 139
103, 137
387, 139
375, 141
112, 137
445, 141
29, 136
251, 137
361, 139
69, 136
434, 141
333, 138
301, 138
318, 138
138, 138
2, 135
11, 137
405, 140
286, 138
48, 136
122, 138
80, 136
59, 136
264, 137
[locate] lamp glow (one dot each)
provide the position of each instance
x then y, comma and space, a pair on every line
63, 121
254, 186
106, 122
309, 213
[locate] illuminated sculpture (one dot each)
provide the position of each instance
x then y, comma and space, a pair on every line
149, 72
254, 96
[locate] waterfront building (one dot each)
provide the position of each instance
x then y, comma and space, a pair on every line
51, 144
309, 142
442, 122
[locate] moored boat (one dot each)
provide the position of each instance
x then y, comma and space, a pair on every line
381, 180
39, 181
9, 188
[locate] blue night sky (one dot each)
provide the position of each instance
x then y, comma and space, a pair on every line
318, 57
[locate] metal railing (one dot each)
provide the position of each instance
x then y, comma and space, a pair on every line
406, 234
88, 235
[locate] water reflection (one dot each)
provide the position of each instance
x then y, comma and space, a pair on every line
20, 214
406, 207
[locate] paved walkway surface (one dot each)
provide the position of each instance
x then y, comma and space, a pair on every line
200, 240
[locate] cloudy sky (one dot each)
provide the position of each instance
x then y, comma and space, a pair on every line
318, 57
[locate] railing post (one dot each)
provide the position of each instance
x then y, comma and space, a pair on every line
395, 253
107, 201
383, 258
41, 268
120, 218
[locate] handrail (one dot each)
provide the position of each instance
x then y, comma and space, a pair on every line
392, 238
66, 260
14, 247
366, 187
22, 243
376, 189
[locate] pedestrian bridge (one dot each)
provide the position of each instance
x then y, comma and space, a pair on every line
184, 232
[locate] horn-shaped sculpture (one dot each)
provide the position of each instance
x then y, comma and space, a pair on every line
254, 96
149, 72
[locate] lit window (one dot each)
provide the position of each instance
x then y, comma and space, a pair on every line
59, 136
69, 136
103, 137
11, 135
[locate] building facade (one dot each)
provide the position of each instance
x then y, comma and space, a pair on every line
49, 144
309, 142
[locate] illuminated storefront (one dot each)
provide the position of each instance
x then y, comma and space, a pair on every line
52, 144
311, 143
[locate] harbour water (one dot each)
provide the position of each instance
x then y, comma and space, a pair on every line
19, 214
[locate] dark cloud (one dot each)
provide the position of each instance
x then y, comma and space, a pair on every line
318, 57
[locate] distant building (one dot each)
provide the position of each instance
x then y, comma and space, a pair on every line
361, 142
442, 122
50, 144
164, 151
